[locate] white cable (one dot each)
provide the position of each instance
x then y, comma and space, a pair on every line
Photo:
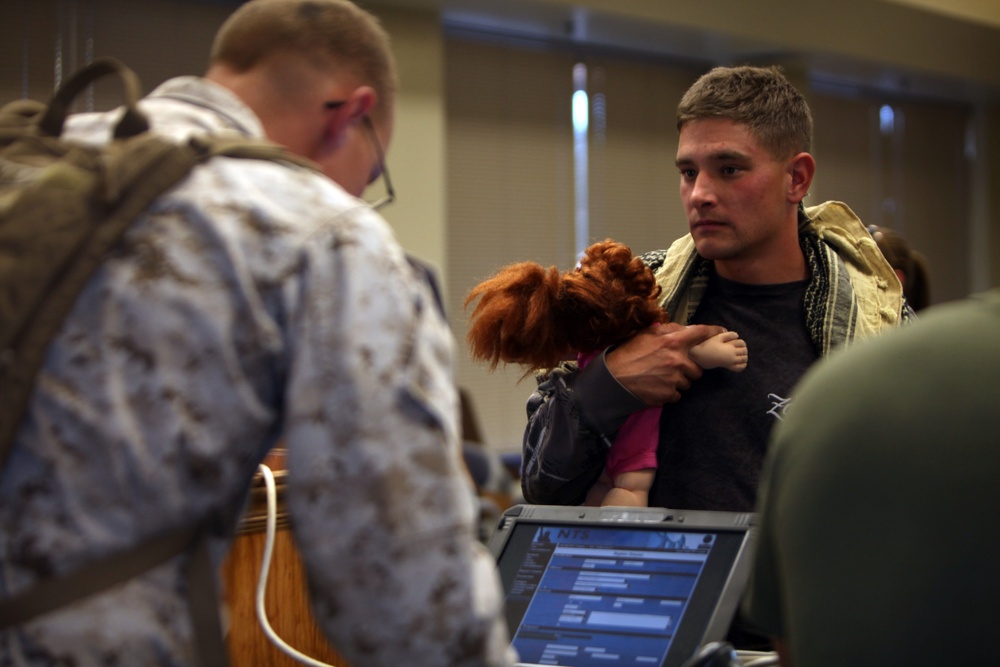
265, 566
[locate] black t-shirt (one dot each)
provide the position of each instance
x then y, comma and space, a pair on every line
712, 442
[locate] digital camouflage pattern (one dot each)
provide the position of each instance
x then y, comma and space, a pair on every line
256, 301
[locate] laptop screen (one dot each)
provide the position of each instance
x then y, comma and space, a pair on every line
598, 587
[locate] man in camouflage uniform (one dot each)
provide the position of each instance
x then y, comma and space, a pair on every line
253, 302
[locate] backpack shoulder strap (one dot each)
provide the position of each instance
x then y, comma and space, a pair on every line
53, 236
102, 574
247, 148
59, 220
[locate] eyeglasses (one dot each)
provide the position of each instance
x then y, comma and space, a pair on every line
390, 193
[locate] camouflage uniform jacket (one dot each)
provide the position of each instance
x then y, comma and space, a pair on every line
253, 302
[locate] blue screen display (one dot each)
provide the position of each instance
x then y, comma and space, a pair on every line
596, 597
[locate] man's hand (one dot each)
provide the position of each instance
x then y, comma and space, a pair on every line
655, 364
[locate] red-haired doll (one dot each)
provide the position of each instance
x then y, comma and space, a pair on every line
537, 317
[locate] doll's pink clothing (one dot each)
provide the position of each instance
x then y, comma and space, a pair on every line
634, 448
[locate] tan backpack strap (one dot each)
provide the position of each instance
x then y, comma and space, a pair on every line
151, 167
243, 147
104, 573
54, 592
203, 604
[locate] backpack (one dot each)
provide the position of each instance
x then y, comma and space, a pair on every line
63, 207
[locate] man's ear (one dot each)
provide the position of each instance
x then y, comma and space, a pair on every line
356, 106
801, 167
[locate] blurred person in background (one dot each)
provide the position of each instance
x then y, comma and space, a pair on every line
909, 264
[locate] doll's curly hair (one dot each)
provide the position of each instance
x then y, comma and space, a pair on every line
536, 317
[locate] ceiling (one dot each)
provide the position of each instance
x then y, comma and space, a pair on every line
937, 48
946, 49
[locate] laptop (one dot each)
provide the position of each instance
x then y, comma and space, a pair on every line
610, 586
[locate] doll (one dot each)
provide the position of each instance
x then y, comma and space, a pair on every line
536, 318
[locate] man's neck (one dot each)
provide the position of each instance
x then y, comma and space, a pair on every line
785, 266
288, 116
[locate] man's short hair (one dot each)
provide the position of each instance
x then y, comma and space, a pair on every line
760, 98
328, 33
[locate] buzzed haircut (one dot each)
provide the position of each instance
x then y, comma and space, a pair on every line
328, 33
761, 98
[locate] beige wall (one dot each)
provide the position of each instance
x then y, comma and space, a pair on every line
163, 38
417, 154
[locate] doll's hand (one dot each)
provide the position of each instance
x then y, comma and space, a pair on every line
727, 350
655, 364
